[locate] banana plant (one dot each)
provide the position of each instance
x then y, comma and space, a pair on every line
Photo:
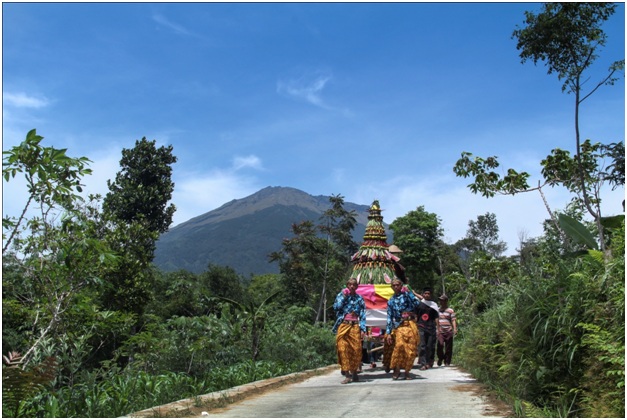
577, 231
255, 315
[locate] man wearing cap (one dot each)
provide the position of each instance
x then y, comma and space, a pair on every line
428, 315
399, 270
447, 329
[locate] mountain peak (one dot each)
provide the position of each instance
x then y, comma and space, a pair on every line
262, 199
242, 232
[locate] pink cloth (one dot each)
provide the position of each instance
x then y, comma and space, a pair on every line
351, 317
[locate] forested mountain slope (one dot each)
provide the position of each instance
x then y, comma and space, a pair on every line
241, 233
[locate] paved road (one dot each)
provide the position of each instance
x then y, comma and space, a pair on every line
437, 392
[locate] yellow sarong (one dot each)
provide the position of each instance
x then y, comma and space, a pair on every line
406, 340
348, 342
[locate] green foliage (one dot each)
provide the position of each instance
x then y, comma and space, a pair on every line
310, 265
112, 392
129, 283
143, 187
566, 36
292, 339
338, 224
264, 285
57, 259
577, 231
189, 356
178, 293
223, 282
487, 181
615, 172
18, 385
79, 290
254, 319
485, 231
137, 210
603, 393
552, 338
418, 234
51, 178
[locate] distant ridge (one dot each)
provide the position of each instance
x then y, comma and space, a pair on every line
243, 232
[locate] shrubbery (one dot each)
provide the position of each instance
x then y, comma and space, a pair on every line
185, 357
554, 344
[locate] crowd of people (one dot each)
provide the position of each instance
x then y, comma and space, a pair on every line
416, 328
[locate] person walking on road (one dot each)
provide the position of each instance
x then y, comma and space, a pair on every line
401, 331
428, 315
447, 329
350, 329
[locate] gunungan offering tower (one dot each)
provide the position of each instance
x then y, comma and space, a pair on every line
373, 262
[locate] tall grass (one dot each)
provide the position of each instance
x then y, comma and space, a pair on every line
124, 392
552, 341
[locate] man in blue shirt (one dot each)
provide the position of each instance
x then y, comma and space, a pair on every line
401, 330
350, 329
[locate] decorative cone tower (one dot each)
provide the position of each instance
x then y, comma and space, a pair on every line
373, 263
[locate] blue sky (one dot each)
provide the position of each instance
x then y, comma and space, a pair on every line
368, 100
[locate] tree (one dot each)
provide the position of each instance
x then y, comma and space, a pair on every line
311, 264
138, 211
223, 282
567, 37
255, 316
143, 186
178, 293
338, 224
300, 263
60, 254
485, 231
263, 285
418, 234
53, 180
558, 169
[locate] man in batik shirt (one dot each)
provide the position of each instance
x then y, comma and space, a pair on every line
401, 331
350, 329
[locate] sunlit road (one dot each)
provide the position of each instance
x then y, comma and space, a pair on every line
437, 392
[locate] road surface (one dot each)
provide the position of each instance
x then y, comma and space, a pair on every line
438, 392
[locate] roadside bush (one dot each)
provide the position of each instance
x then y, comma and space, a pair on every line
112, 392
554, 343
291, 339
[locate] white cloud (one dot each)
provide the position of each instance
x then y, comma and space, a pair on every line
305, 88
196, 194
162, 20
104, 167
251, 161
23, 100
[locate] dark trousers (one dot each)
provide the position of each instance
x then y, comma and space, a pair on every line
427, 347
445, 347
